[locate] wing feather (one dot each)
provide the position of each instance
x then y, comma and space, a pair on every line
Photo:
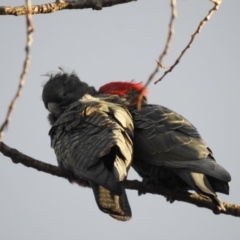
86, 132
165, 138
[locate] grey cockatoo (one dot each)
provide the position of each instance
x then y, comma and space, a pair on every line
92, 138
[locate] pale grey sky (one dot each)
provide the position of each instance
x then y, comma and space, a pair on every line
119, 43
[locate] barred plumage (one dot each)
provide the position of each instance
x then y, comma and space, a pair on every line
92, 138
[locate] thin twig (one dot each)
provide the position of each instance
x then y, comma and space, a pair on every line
61, 5
202, 23
197, 200
25, 68
168, 42
165, 50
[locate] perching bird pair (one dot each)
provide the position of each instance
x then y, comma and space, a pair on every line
98, 135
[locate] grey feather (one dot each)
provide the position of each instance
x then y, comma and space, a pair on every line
169, 150
116, 206
79, 149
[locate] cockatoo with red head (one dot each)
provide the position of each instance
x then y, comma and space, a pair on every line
168, 149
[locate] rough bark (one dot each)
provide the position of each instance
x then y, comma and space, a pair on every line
61, 5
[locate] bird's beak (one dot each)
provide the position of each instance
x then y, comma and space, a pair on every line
53, 108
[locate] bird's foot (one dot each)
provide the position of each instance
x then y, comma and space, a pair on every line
142, 190
172, 197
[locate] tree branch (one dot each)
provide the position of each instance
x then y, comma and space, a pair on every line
61, 5
168, 42
18, 157
26, 64
164, 52
199, 28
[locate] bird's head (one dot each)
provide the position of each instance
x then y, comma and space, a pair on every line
125, 89
63, 89
122, 88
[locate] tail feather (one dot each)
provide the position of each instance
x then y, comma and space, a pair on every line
201, 185
218, 185
116, 206
204, 166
